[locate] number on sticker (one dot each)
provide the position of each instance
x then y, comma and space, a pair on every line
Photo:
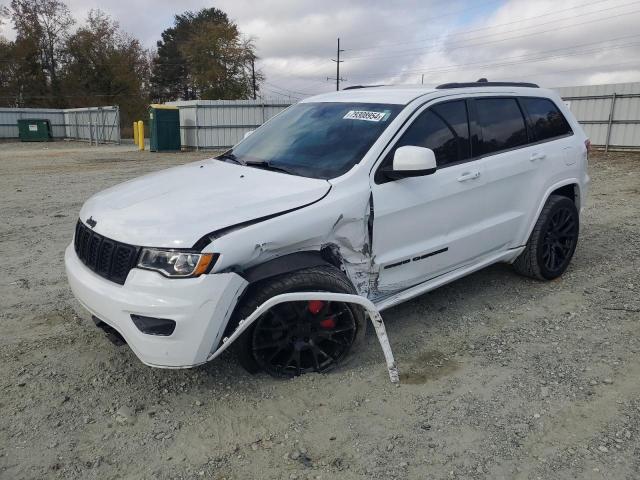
365, 115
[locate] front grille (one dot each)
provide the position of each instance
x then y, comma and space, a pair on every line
108, 258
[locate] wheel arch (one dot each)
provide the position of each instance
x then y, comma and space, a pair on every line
569, 190
288, 263
569, 187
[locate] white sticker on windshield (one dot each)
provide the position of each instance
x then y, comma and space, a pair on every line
365, 115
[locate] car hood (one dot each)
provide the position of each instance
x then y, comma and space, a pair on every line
176, 207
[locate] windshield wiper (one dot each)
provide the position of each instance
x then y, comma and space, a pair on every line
230, 156
266, 165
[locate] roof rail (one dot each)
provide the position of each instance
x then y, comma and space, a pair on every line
484, 83
355, 87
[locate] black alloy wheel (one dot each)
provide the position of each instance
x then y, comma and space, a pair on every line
560, 239
552, 242
295, 338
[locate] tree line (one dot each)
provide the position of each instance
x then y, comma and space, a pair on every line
52, 63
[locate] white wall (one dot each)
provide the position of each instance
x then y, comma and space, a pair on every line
592, 106
85, 124
222, 123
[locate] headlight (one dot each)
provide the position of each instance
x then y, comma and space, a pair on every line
175, 263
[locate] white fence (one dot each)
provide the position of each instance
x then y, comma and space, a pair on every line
9, 120
222, 123
609, 114
91, 124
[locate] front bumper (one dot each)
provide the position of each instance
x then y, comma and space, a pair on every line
200, 306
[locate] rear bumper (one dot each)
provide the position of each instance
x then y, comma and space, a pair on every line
201, 308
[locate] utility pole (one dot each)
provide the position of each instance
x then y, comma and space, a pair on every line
423, 79
253, 76
338, 62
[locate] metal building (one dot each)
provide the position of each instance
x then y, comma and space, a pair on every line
9, 120
91, 124
222, 123
609, 114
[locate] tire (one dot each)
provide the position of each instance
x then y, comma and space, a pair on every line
295, 333
552, 242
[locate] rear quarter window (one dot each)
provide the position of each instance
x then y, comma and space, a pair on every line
546, 119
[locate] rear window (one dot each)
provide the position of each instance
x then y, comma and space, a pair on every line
546, 120
501, 123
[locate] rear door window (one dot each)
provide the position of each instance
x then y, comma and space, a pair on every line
501, 124
546, 120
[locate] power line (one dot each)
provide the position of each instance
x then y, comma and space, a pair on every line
464, 32
555, 72
479, 5
281, 93
377, 33
552, 72
285, 89
87, 95
277, 91
514, 60
538, 56
461, 44
518, 60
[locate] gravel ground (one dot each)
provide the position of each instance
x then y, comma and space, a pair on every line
502, 376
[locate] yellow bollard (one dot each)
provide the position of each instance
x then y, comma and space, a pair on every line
135, 133
141, 135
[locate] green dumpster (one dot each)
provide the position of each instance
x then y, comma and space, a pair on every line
164, 128
34, 130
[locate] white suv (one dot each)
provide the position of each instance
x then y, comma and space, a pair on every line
339, 207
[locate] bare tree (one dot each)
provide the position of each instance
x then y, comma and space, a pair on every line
104, 64
43, 25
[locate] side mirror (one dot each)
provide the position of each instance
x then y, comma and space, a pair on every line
248, 133
410, 161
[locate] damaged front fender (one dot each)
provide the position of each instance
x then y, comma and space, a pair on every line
339, 225
369, 307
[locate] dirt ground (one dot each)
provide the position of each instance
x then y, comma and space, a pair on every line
502, 377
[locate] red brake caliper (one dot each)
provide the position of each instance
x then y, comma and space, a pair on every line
315, 306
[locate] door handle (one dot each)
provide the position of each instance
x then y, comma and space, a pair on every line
468, 176
537, 156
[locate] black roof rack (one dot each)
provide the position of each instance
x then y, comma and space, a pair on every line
484, 83
354, 87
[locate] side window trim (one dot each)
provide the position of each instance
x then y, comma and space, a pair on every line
533, 137
526, 120
475, 132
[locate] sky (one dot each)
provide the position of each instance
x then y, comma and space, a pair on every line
553, 43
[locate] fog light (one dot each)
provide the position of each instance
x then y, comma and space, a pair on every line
154, 326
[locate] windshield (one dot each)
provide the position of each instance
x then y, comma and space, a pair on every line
319, 140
